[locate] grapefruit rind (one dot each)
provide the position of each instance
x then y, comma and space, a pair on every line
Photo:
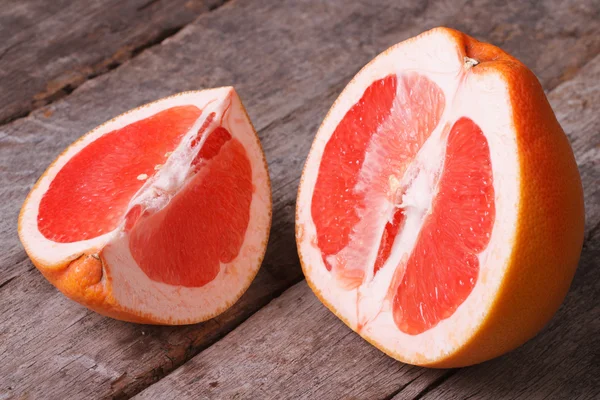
124, 290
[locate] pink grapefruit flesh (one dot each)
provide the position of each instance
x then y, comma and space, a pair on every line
161, 215
164, 244
100, 180
388, 130
442, 268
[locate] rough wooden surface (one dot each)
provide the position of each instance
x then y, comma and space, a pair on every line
295, 347
49, 48
288, 60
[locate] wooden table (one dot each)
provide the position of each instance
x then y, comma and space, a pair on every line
66, 66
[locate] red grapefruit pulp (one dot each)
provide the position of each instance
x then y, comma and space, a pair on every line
163, 243
161, 215
375, 144
442, 268
101, 179
201, 213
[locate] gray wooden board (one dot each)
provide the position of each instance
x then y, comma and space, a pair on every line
288, 60
48, 48
295, 348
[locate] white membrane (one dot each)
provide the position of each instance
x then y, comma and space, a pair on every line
485, 100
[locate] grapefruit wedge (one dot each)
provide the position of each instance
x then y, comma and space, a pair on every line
440, 211
160, 215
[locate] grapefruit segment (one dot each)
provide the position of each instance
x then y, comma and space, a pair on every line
387, 239
336, 205
159, 216
90, 184
443, 266
420, 201
357, 186
186, 242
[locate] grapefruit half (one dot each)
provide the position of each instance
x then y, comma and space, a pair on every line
160, 215
440, 211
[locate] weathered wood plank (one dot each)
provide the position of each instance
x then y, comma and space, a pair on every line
49, 48
288, 60
295, 348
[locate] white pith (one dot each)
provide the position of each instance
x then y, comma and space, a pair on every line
131, 287
485, 100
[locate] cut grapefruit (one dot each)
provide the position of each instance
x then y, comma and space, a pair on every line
160, 215
440, 211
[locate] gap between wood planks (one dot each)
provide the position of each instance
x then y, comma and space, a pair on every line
447, 375
101, 68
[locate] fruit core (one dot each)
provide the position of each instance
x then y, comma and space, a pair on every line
404, 203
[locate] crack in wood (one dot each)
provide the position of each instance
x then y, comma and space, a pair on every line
13, 264
435, 384
9, 48
591, 234
9, 280
401, 388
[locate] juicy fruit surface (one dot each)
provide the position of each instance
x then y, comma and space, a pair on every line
443, 267
204, 225
367, 189
90, 194
201, 226
390, 129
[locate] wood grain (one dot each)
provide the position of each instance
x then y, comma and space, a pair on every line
295, 348
288, 60
49, 48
